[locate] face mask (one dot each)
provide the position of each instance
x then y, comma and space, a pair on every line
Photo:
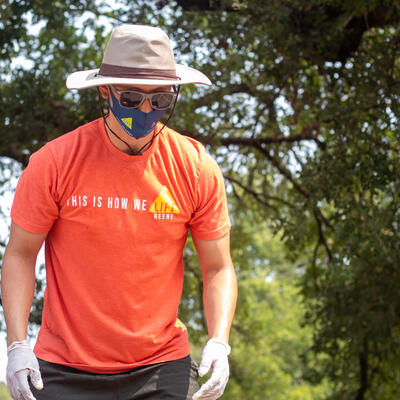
136, 123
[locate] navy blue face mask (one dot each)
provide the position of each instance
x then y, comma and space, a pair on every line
136, 123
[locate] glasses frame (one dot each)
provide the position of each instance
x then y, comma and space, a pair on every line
148, 96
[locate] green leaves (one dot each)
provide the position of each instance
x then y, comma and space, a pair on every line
4, 394
303, 120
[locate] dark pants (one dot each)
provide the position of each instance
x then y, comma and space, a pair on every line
173, 380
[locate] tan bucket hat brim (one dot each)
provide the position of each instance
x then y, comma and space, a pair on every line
137, 55
90, 78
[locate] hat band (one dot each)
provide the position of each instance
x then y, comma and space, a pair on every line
141, 73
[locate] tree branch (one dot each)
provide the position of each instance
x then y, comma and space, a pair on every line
305, 135
258, 196
321, 236
264, 96
199, 280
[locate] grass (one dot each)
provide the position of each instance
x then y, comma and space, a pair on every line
4, 395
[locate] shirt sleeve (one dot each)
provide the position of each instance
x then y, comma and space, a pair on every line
210, 220
35, 205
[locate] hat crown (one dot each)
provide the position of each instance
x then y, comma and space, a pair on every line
139, 46
137, 55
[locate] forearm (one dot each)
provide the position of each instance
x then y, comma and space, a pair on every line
17, 288
220, 294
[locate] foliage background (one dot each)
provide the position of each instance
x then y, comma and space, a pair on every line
303, 120
4, 395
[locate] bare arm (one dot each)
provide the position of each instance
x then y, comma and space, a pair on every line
220, 286
18, 280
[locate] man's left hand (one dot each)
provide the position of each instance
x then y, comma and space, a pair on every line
215, 357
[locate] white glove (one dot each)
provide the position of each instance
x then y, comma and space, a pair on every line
22, 363
215, 355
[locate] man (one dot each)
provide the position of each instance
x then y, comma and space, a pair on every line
113, 201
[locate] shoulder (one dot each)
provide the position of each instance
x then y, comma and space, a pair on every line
79, 136
67, 145
181, 143
187, 150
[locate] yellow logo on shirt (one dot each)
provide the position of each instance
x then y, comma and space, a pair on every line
180, 324
127, 122
164, 203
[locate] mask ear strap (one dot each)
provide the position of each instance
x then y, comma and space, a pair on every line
100, 103
176, 89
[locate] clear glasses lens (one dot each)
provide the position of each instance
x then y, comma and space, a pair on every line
131, 99
158, 101
161, 101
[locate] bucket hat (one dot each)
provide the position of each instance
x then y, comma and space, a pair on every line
137, 55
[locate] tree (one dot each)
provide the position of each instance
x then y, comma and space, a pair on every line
311, 126
303, 118
269, 340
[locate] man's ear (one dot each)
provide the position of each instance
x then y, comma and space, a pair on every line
104, 91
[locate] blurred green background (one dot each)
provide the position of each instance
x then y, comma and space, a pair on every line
4, 395
303, 120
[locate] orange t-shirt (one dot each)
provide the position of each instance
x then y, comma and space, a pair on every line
117, 228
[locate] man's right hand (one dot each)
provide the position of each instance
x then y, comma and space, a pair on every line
22, 363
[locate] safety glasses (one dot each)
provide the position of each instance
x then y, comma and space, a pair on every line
134, 99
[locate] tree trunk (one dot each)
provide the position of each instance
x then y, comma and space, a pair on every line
363, 371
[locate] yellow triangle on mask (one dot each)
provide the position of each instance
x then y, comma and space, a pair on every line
127, 122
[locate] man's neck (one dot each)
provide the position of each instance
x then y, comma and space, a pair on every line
124, 140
